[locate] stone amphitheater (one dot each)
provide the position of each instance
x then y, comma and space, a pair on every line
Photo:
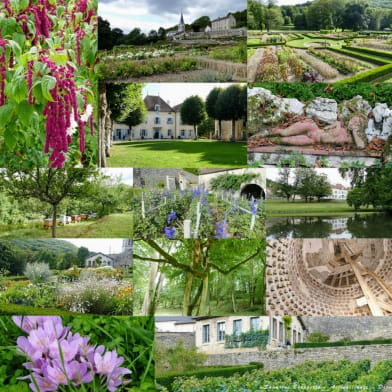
324, 277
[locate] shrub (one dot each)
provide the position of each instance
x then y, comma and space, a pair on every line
373, 52
343, 343
224, 371
317, 337
369, 76
38, 272
361, 56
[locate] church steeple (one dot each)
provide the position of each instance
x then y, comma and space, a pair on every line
181, 25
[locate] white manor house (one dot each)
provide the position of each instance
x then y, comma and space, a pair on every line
162, 122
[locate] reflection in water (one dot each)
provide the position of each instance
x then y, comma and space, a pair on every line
354, 226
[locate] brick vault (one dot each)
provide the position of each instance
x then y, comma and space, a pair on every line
324, 277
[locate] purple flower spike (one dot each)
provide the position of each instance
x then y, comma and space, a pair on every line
221, 229
172, 216
170, 232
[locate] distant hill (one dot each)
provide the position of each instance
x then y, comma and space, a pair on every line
35, 245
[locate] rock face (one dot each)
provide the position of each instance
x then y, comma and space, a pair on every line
381, 123
276, 107
354, 106
324, 109
378, 111
356, 126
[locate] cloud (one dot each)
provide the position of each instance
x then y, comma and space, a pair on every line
152, 14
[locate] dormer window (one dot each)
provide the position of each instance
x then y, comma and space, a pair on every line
157, 108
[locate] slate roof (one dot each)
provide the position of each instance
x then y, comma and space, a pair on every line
151, 100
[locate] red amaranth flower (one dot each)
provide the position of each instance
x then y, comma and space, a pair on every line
80, 34
30, 81
59, 112
3, 69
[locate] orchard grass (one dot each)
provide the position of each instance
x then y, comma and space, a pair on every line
300, 208
181, 153
110, 226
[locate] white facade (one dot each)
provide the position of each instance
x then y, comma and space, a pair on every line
339, 194
222, 24
99, 260
210, 333
162, 123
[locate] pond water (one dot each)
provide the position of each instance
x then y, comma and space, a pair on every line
377, 225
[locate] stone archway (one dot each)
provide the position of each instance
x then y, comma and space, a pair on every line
254, 190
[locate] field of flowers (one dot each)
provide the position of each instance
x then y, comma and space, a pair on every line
90, 354
328, 376
77, 290
47, 59
219, 214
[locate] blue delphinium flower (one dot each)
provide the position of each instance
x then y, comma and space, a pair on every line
170, 232
221, 228
171, 217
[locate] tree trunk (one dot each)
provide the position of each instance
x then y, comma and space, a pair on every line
233, 302
151, 296
203, 298
195, 131
102, 125
54, 220
220, 130
186, 305
232, 130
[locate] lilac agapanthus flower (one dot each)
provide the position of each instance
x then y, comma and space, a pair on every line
60, 358
171, 217
170, 232
254, 207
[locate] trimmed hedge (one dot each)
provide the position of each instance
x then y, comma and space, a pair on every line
360, 56
343, 343
375, 52
369, 76
223, 371
12, 309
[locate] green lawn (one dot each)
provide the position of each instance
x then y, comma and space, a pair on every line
278, 208
111, 226
304, 42
184, 153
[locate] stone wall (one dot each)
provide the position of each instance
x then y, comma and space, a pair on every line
150, 178
169, 339
354, 328
288, 358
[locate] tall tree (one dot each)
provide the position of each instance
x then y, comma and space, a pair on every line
212, 109
199, 262
49, 186
231, 106
355, 16
193, 112
82, 254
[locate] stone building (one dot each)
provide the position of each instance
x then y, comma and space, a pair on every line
118, 260
339, 192
162, 122
224, 23
211, 332
169, 179
329, 277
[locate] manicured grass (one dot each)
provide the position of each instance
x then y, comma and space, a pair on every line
279, 208
303, 43
184, 153
111, 226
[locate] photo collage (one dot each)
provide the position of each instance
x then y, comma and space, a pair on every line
195, 196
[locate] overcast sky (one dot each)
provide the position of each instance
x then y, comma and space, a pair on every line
175, 93
290, 2
152, 14
334, 176
105, 246
125, 175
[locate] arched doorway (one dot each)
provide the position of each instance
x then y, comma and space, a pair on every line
254, 190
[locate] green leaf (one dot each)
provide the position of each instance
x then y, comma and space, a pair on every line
19, 89
20, 39
48, 83
25, 113
6, 112
16, 49
10, 138
8, 26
